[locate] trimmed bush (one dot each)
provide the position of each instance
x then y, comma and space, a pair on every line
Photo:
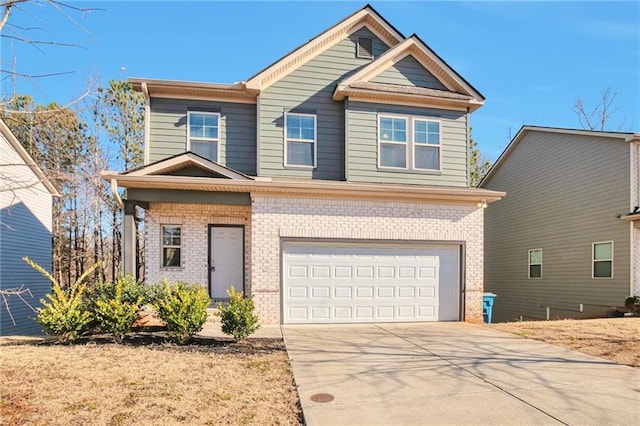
183, 307
238, 318
64, 316
116, 309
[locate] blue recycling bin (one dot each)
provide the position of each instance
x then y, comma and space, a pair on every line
487, 306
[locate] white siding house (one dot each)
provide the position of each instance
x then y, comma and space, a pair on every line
25, 230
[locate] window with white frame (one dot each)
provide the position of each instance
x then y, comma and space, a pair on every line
409, 143
535, 263
603, 260
392, 135
426, 144
203, 134
171, 247
300, 144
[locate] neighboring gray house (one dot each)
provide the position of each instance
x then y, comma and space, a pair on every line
25, 230
565, 242
333, 185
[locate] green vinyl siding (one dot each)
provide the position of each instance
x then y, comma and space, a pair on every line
237, 134
362, 145
408, 72
564, 193
150, 195
309, 89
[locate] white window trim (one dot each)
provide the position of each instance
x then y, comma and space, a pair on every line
414, 144
529, 264
314, 142
410, 144
405, 144
217, 140
593, 260
163, 246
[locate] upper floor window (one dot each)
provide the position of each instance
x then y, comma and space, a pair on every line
300, 144
535, 263
408, 143
203, 134
393, 142
603, 260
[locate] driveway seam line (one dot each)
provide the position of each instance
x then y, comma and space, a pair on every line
473, 374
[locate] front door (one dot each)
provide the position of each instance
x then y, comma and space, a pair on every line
226, 260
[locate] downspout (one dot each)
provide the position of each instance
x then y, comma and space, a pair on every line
114, 192
466, 119
147, 120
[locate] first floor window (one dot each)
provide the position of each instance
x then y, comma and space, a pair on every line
203, 134
535, 263
300, 132
603, 260
171, 246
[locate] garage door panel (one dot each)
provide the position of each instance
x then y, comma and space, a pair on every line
332, 283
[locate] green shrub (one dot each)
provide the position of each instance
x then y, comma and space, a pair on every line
633, 304
238, 318
116, 309
183, 307
65, 315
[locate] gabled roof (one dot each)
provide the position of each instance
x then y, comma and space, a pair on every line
416, 48
365, 17
17, 146
188, 159
524, 130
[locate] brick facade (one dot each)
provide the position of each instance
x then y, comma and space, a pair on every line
194, 220
269, 219
275, 218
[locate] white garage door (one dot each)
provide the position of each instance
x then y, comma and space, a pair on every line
347, 283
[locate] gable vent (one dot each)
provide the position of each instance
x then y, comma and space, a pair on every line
364, 48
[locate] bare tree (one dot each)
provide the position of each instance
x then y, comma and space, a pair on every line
600, 115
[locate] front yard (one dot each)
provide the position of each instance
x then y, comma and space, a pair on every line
615, 339
147, 381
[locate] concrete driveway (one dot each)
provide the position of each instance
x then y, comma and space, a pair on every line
453, 373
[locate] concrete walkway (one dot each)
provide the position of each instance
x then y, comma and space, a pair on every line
453, 373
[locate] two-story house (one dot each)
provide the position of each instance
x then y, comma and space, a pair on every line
333, 185
565, 242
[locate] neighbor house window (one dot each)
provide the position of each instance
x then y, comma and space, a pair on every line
603, 260
392, 135
300, 132
203, 130
409, 143
171, 248
535, 263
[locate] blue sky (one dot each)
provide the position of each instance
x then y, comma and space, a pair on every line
530, 59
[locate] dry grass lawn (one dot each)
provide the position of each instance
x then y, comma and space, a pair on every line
615, 339
147, 381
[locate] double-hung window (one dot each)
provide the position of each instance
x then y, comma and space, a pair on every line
603, 260
203, 134
535, 263
408, 143
393, 142
426, 144
300, 144
171, 247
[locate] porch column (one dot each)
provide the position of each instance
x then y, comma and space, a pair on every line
129, 237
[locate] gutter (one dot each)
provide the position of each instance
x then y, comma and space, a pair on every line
308, 188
